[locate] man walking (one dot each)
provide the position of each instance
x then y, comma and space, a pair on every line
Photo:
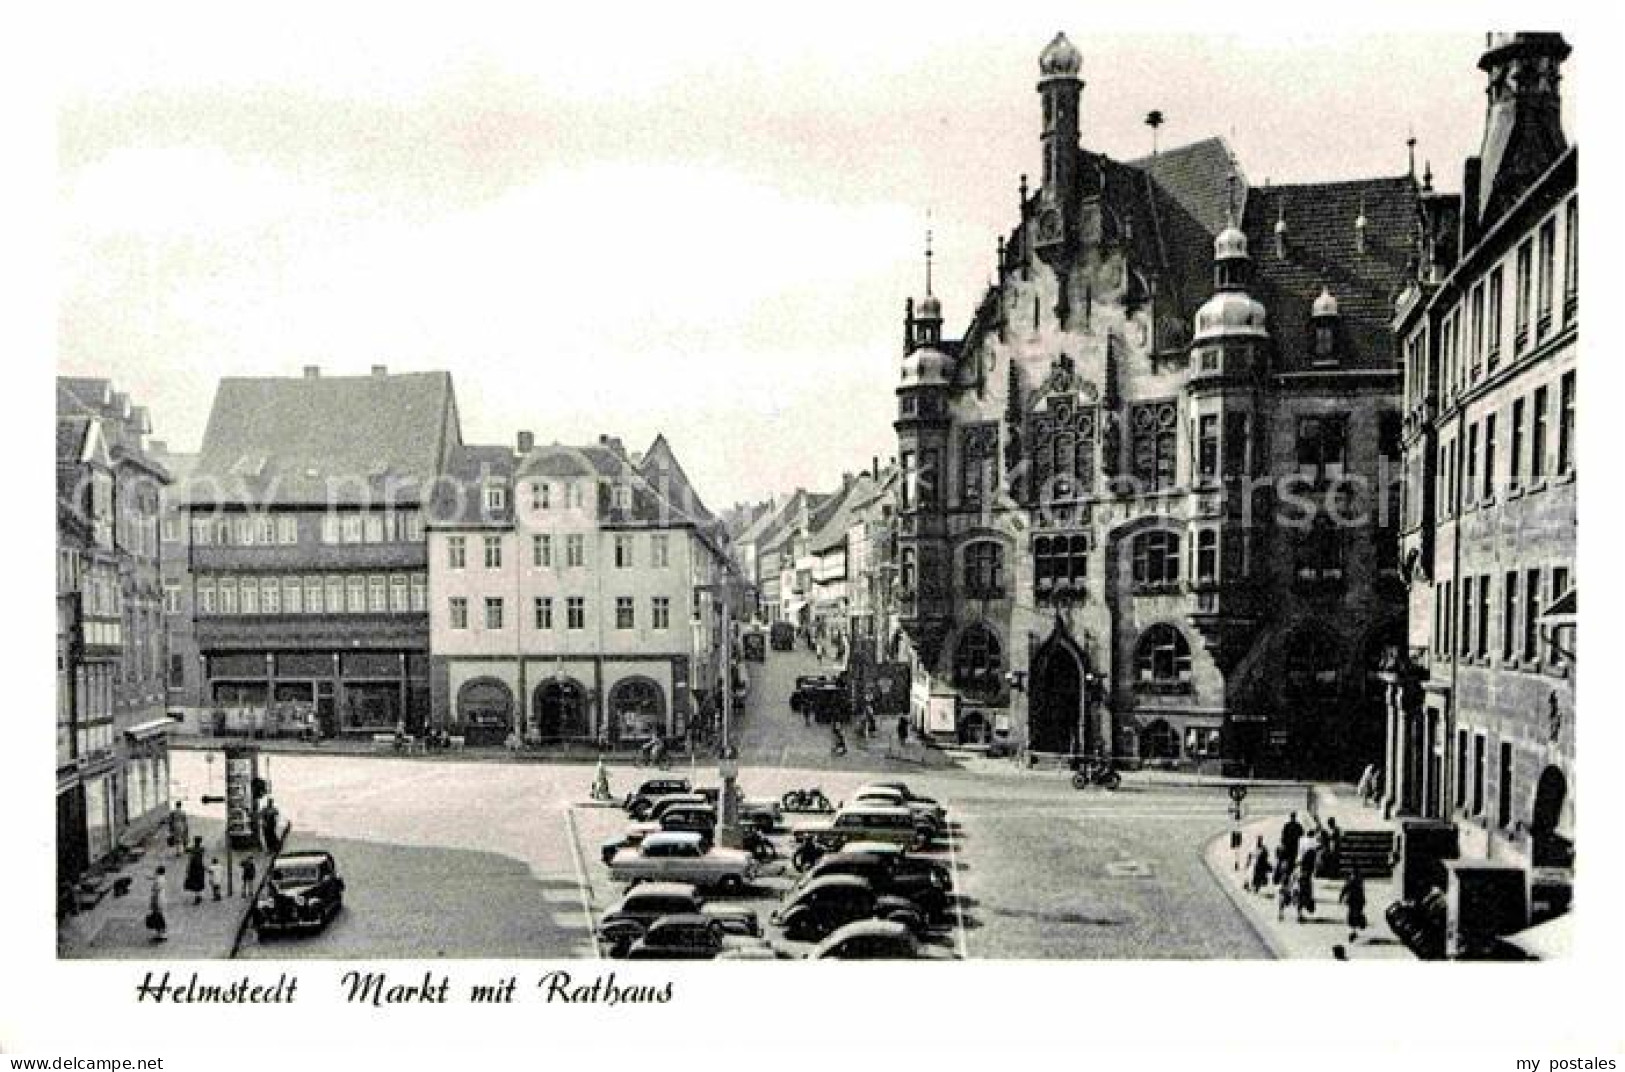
270, 820
158, 907
178, 829
1291, 835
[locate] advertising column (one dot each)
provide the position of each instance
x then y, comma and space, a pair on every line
242, 818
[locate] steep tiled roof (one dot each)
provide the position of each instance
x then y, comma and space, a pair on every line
70, 439
1194, 178
829, 527
1322, 250
319, 439
459, 496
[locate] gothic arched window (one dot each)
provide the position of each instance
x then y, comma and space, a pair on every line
978, 662
1162, 658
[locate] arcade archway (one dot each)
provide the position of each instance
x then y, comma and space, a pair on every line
1056, 699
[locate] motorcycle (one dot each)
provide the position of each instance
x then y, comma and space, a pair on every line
807, 853
806, 800
1090, 771
759, 845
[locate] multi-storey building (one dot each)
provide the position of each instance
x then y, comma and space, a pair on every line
576, 593
1142, 507
1481, 728
112, 757
183, 678
309, 559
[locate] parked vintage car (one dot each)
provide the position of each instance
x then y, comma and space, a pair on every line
882, 872
912, 798
627, 919
689, 936
812, 911
303, 892
782, 636
754, 646
694, 818
653, 789
869, 822
765, 815
869, 939
926, 816
934, 870
682, 857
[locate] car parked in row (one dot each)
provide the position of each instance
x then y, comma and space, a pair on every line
869, 939
643, 798
921, 889
681, 817
682, 856
628, 919
812, 911
870, 822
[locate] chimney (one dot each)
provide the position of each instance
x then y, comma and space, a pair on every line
1523, 130
380, 370
527, 442
313, 372
874, 466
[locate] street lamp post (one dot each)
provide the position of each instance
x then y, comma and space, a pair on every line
728, 832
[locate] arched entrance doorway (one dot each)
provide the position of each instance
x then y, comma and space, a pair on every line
1056, 700
561, 709
485, 710
637, 709
1548, 848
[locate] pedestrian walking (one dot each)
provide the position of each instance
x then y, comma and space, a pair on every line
158, 907
839, 747
1291, 835
250, 872
269, 820
1284, 896
1353, 895
178, 829
1283, 866
902, 731
1259, 863
1363, 788
1304, 888
214, 876
1331, 850
196, 872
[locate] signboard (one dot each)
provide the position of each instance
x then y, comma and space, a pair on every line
242, 766
941, 714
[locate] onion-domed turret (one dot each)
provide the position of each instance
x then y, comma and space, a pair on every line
1230, 245
1229, 314
1060, 59
925, 367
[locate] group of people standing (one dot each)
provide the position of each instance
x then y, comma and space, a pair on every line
203, 874
1293, 867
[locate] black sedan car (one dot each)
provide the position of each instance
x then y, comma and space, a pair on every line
920, 887
302, 892
814, 910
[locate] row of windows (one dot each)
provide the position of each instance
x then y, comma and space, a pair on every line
575, 612
1472, 336
328, 593
1462, 617
1162, 659
1471, 765
543, 545
273, 530
1062, 562
1468, 471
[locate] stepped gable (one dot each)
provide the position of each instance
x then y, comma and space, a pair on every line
1322, 250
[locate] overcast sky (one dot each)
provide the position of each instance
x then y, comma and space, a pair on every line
705, 227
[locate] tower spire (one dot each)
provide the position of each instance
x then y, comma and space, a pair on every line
928, 259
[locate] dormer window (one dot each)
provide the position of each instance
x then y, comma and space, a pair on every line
1325, 342
496, 497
